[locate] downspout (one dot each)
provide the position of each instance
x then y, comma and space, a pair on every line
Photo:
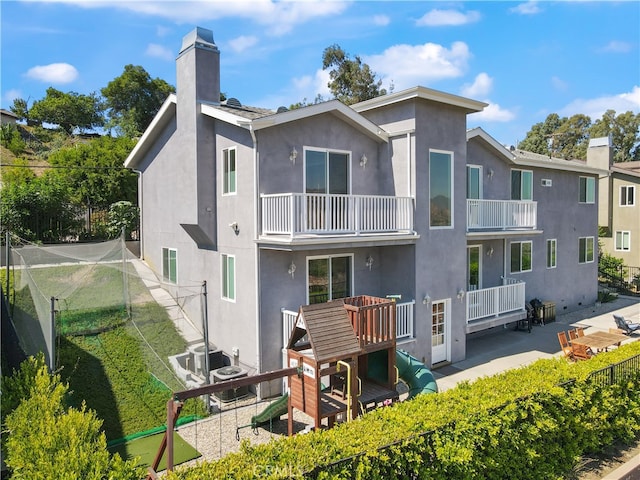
256, 217
140, 242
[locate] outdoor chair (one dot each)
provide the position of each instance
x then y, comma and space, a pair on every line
567, 349
573, 334
627, 327
619, 332
581, 352
580, 331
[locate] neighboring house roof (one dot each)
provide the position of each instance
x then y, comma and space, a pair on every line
626, 168
8, 114
529, 159
424, 93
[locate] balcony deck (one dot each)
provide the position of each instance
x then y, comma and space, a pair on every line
501, 215
495, 306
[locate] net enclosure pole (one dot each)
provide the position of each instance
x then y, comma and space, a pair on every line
52, 338
205, 322
8, 259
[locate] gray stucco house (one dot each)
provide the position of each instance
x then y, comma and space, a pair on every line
391, 196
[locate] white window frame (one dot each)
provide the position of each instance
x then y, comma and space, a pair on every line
620, 247
589, 190
167, 276
530, 243
627, 191
520, 196
586, 258
327, 151
224, 277
329, 257
552, 253
480, 178
452, 193
226, 172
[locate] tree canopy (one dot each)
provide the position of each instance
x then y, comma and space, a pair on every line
134, 98
569, 137
68, 110
351, 80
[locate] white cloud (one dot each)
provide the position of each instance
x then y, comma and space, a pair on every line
559, 84
411, 65
493, 113
306, 88
242, 42
279, 17
438, 18
527, 8
158, 51
10, 95
481, 86
162, 31
53, 73
615, 46
595, 107
381, 20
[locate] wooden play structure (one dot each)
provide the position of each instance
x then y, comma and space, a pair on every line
346, 352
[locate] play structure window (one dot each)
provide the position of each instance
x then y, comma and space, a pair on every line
329, 278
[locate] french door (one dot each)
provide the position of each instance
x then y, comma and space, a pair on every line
440, 313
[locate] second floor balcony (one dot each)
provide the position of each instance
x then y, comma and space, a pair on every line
487, 215
300, 214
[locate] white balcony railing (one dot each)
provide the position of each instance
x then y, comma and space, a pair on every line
501, 214
304, 213
491, 302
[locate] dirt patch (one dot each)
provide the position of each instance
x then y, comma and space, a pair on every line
598, 467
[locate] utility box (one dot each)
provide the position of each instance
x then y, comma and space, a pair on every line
547, 312
230, 372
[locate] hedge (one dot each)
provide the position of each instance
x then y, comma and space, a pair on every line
532, 422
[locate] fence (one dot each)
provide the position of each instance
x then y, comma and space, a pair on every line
624, 278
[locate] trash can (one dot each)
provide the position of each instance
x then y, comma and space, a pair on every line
548, 312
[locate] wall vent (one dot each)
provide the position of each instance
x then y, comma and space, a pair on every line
546, 182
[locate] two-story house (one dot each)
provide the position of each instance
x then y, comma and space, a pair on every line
391, 196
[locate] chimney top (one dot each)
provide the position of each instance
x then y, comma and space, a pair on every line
600, 142
200, 37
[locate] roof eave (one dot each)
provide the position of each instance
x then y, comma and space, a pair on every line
480, 133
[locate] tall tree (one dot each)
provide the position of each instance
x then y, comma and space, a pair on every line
570, 140
538, 139
20, 109
351, 80
625, 134
133, 99
69, 110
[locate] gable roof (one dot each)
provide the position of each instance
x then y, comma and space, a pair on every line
627, 168
529, 159
329, 331
421, 92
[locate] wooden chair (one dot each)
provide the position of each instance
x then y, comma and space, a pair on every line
580, 331
567, 349
581, 352
573, 334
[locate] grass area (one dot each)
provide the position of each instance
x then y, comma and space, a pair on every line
126, 379
145, 449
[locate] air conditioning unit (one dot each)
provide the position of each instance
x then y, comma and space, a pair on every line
546, 182
199, 361
229, 373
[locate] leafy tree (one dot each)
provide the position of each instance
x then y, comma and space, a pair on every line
133, 99
20, 109
69, 110
625, 133
570, 140
48, 440
122, 215
351, 80
538, 138
17, 173
10, 138
38, 210
92, 173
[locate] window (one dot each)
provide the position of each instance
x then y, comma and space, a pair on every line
623, 241
440, 189
585, 249
552, 245
474, 182
587, 190
521, 185
326, 172
627, 195
170, 265
228, 277
520, 257
229, 169
329, 278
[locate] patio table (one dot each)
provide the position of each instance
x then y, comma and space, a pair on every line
599, 340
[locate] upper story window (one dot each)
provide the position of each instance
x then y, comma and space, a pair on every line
587, 190
329, 277
474, 182
585, 250
623, 241
521, 184
229, 171
326, 172
521, 256
440, 189
627, 195
170, 265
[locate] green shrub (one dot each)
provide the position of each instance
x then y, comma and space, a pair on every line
520, 424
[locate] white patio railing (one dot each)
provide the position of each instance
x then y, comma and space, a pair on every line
491, 302
501, 214
304, 213
404, 320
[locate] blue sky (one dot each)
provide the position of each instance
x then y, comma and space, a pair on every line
526, 59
